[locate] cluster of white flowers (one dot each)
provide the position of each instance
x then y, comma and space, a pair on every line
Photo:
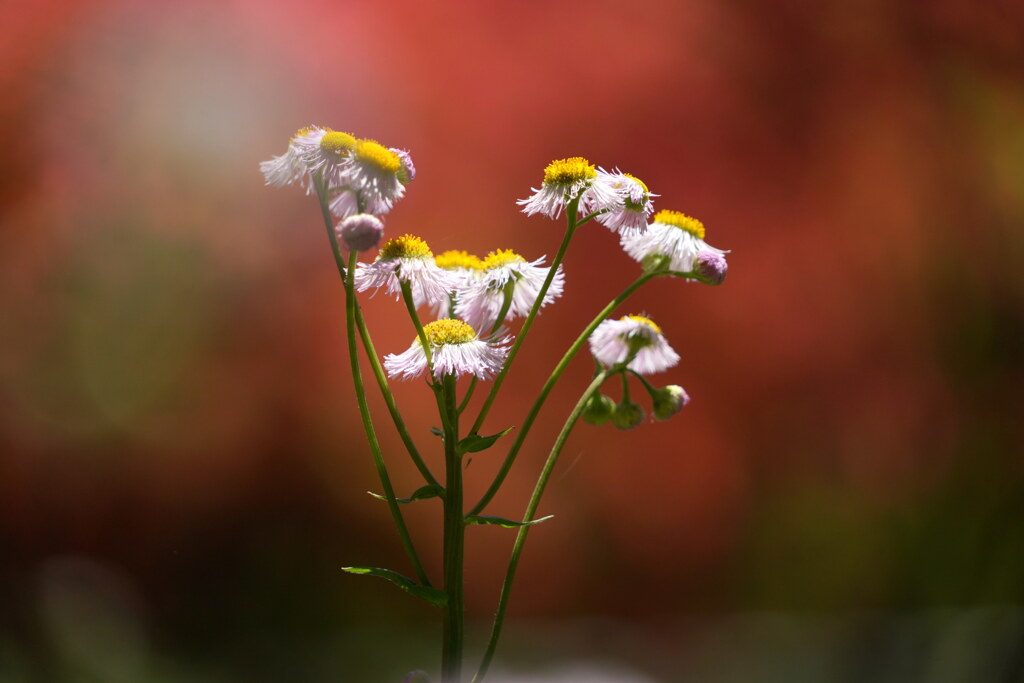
357, 181
472, 297
359, 175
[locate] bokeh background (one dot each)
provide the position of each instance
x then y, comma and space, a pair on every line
182, 472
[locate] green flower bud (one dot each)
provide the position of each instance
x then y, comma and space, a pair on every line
627, 415
669, 400
599, 409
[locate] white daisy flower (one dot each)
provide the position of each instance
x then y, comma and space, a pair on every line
634, 206
455, 349
406, 259
328, 152
465, 268
674, 235
614, 340
291, 166
480, 303
564, 180
375, 173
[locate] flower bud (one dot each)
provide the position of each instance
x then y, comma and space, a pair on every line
711, 267
627, 415
669, 400
599, 409
360, 232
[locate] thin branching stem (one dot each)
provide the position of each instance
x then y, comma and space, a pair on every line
531, 510
371, 435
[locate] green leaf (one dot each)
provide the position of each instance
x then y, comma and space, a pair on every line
422, 493
434, 596
474, 443
502, 522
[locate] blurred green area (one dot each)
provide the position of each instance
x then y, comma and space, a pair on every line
181, 469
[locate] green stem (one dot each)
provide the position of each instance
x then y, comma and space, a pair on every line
510, 288
454, 540
549, 385
410, 305
643, 380
371, 435
571, 213
469, 394
506, 303
591, 217
389, 400
325, 210
531, 510
364, 334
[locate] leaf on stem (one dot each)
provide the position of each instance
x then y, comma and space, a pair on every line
434, 596
422, 493
502, 522
474, 443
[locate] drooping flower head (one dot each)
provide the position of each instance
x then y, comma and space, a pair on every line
291, 167
669, 400
455, 349
564, 180
329, 153
406, 259
374, 172
633, 208
674, 235
712, 267
465, 269
481, 301
613, 341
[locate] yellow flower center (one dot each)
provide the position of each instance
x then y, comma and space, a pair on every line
501, 257
682, 221
306, 130
376, 154
646, 321
455, 259
637, 181
448, 331
405, 246
336, 142
568, 171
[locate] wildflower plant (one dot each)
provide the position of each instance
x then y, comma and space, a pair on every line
357, 182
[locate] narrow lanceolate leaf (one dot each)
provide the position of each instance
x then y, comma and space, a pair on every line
474, 443
434, 596
502, 522
422, 493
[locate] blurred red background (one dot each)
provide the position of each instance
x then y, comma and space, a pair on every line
182, 471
